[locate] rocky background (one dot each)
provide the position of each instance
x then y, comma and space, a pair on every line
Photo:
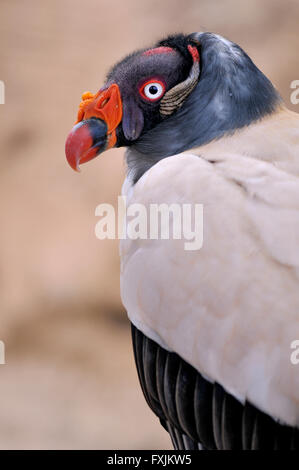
70, 381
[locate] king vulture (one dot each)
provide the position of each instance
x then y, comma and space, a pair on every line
212, 328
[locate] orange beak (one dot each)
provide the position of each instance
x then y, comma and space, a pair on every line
95, 129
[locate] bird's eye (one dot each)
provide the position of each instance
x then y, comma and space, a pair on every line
152, 90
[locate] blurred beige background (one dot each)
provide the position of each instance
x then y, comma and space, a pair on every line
70, 380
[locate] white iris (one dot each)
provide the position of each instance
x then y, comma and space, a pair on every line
153, 90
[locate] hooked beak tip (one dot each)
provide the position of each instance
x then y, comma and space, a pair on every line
85, 141
76, 167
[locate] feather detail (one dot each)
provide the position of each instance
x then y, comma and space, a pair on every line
176, 96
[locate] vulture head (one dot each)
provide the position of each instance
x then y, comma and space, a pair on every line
183, 92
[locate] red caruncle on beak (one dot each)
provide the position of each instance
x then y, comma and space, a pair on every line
95, 129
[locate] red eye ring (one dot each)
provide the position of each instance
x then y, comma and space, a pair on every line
144, 89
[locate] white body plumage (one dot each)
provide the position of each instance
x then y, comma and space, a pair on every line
230, 309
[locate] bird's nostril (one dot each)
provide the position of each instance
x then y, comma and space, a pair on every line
103, 103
